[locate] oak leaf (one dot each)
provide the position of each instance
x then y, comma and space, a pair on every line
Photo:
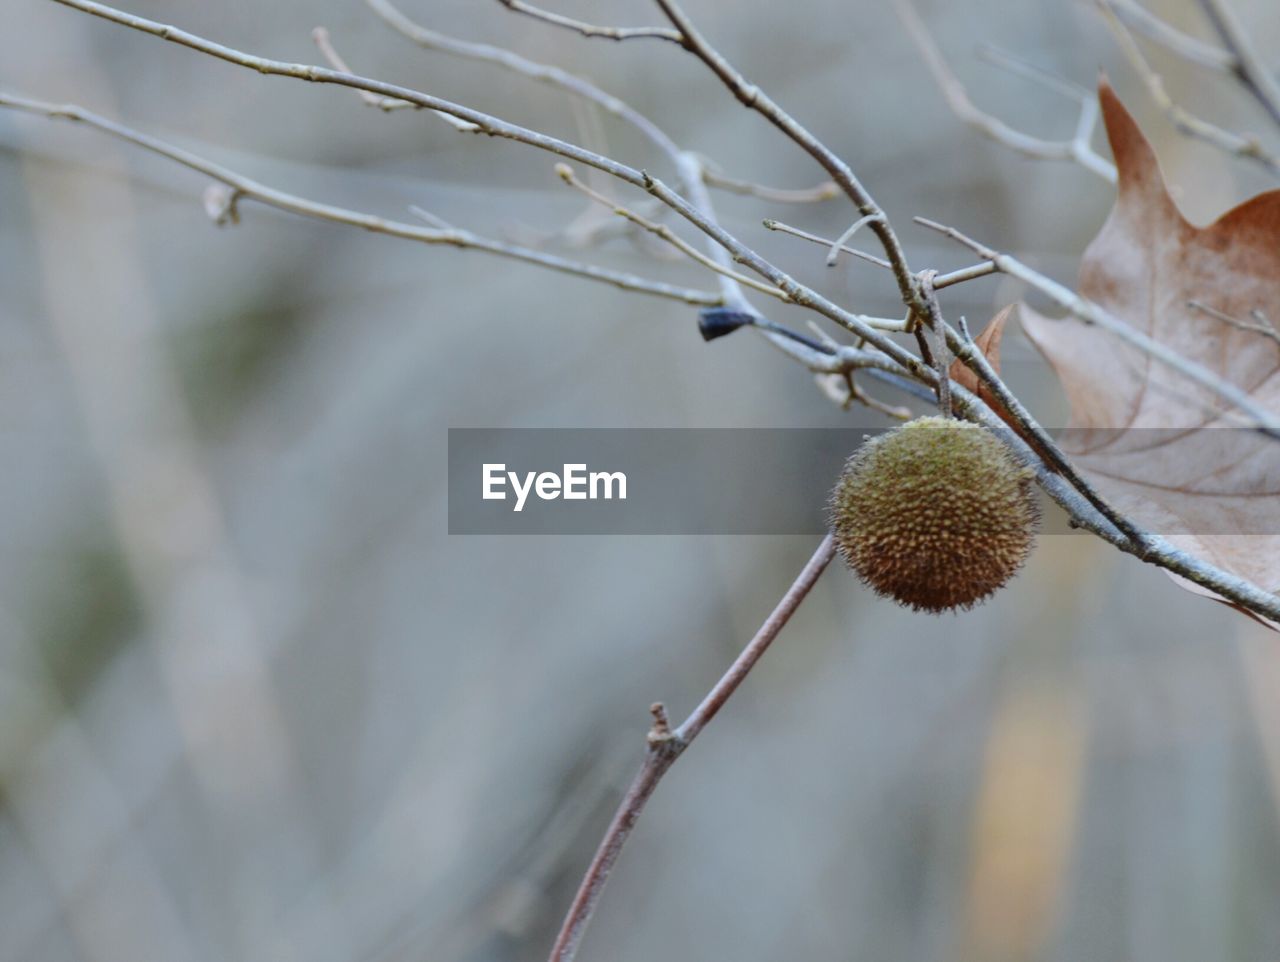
1160, 447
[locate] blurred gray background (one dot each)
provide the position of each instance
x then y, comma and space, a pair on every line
256, 704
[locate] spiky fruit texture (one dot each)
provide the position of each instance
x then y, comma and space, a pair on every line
937, 514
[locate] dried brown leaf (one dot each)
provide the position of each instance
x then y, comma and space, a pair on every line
988, 342
1159, 446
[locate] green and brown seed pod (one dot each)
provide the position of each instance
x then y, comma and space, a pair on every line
937, 514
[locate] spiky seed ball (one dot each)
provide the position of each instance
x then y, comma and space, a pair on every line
936, 514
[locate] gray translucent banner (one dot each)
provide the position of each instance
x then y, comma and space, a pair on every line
777, 481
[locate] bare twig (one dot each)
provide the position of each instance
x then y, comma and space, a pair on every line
784, 228
1262, 420
665, 746
1033, 72
509, 60
827, 190
1249, 148
590, 29
1077, 149
1253, 73
244, 187
756, 99
1189, 48
933, 344
833, 255
985, 269
324, 43
1259, 325
565, 173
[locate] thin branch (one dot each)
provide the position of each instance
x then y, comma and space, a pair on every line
324, 43
1253, 73
985, 269
590, 29
665, 746
1259, 325
827, 190
784, 228
833, 255
1077, 149
691, 171
1033, 72
565, 173
509, 60
694, 171
1262, 420
244, 187
756, 99
1249, 148
1189, 48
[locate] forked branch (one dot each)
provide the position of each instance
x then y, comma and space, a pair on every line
666, 745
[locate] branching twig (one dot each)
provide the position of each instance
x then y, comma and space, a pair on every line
1189, 48
1260, 324
1249, 148
665, 746
837, 245
1253, 73
827, 190
753, 97
509, 60
324, 43
590, 29
1077, 149
985, 269
244, 187
1033, 72
565, 173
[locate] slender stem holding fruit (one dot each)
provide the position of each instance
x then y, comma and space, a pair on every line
665, 746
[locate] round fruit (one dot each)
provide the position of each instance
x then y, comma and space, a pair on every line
937, 514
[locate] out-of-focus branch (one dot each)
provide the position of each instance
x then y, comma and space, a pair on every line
509, 60
1189, 48
1253, 73
998, 57
1077, 149
1260, 324
242, 187
324, 43
827, 190
590, 29
666, 745
1249, 148
579, 86
662, 231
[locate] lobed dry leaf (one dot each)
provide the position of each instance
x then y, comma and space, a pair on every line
1160, 447
988, 342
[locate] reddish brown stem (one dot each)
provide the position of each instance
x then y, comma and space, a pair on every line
665, 746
